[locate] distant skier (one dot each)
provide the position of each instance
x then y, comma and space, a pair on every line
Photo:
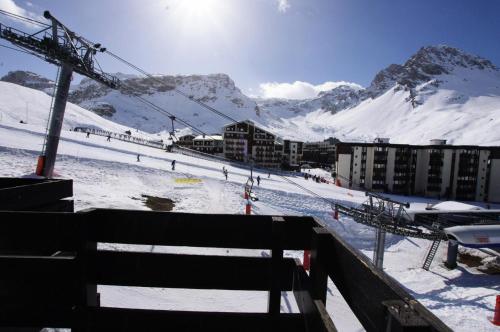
225, 173
269, 175
88, 134
173, 165
258, 180
109, 138
138, 158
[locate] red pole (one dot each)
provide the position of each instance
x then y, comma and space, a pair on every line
496, 317
40, 164
307, 260
248, 208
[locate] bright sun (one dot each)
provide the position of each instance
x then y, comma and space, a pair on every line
198, 14
196, 8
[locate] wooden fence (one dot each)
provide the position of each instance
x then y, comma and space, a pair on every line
51, 268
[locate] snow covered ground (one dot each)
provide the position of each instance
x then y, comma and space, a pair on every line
107, 175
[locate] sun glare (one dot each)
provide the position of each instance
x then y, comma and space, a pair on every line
196, 8
199, 15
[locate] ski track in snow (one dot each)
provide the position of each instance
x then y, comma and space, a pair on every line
106, 175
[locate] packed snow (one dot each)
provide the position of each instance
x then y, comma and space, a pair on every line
108, 175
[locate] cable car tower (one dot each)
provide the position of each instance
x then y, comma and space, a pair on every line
60, 46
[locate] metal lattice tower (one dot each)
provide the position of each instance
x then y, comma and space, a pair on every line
59, 45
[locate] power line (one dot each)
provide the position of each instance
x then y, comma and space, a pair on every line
23, 18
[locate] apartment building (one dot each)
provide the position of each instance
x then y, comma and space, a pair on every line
186, 141
320, 153
437, 170
211, 144
244, 141
292, 152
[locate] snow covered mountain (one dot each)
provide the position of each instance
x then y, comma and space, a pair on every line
439, 92
29, 80
217, 90
337, 99
18, 103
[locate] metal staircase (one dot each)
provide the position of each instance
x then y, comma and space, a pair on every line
430, 255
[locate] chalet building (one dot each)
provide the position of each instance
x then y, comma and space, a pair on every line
438, 170
186, 141
244, 141
320, 153
211, 144
292, 152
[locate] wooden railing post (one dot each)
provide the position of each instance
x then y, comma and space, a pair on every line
87, 295
274, 302
318, 274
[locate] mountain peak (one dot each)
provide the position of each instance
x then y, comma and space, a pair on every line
439, 59
425, 65
29, 80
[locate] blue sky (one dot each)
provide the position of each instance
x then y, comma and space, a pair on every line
267, 41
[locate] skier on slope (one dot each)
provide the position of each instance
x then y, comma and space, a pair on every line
258, 180
173, 165
138, 157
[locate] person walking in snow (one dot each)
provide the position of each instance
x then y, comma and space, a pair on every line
225, 173
88, 134
173, 165
258, 180
109, 138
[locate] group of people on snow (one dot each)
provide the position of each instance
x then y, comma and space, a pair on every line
315, 178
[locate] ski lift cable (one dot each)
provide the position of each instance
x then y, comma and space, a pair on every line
19, 50
157, 108
23, 18
211, 109
204, 105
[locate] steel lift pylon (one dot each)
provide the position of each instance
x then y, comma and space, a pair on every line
59, 45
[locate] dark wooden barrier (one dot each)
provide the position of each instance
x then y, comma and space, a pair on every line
50, 268
23, 194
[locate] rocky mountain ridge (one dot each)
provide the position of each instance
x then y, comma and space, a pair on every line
29, 80
427, 73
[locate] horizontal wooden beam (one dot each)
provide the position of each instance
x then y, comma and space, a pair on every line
41, 232
113, 319
195, 230
60, 231
24, 197
16, 182
29, 281
185, 271
39, 316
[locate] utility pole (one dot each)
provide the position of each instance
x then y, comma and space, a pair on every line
72, 53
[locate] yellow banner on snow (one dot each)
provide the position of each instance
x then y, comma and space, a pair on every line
187, 180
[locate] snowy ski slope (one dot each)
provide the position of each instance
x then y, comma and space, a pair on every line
107, 174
